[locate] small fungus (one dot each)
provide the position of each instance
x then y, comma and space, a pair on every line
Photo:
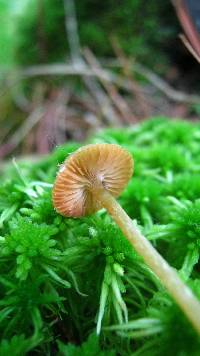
91, 179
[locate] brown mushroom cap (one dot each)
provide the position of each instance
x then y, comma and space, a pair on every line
105, 164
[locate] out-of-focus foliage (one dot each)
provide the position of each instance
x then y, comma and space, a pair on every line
6, 35
62, 280
144, 29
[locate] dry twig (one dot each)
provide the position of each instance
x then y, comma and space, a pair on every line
192, 41
21, 133
120, 104
92, 84
107, 75
189, 47
51, 129
71, 26
127, 70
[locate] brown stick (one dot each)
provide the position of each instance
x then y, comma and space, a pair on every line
154, 79
135, 88
189, 47
119, 102
21, 133
188, 26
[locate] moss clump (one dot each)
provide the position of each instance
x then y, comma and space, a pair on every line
63, 279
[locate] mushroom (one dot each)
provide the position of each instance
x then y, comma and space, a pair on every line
91, 179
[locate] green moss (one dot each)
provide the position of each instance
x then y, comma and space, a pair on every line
63, 279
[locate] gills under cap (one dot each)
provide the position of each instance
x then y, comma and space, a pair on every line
108, 165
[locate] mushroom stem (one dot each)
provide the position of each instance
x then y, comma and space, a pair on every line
182, 295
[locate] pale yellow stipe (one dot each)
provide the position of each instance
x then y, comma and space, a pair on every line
88, 181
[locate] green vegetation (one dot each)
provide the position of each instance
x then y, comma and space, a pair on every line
145, 30
6, 34
62, 279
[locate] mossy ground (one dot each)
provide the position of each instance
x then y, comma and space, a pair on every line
62, 279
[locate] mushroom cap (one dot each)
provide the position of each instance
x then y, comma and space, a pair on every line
108, 165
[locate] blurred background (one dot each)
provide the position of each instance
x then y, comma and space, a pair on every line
69, 68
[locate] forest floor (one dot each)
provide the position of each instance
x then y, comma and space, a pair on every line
47, 105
